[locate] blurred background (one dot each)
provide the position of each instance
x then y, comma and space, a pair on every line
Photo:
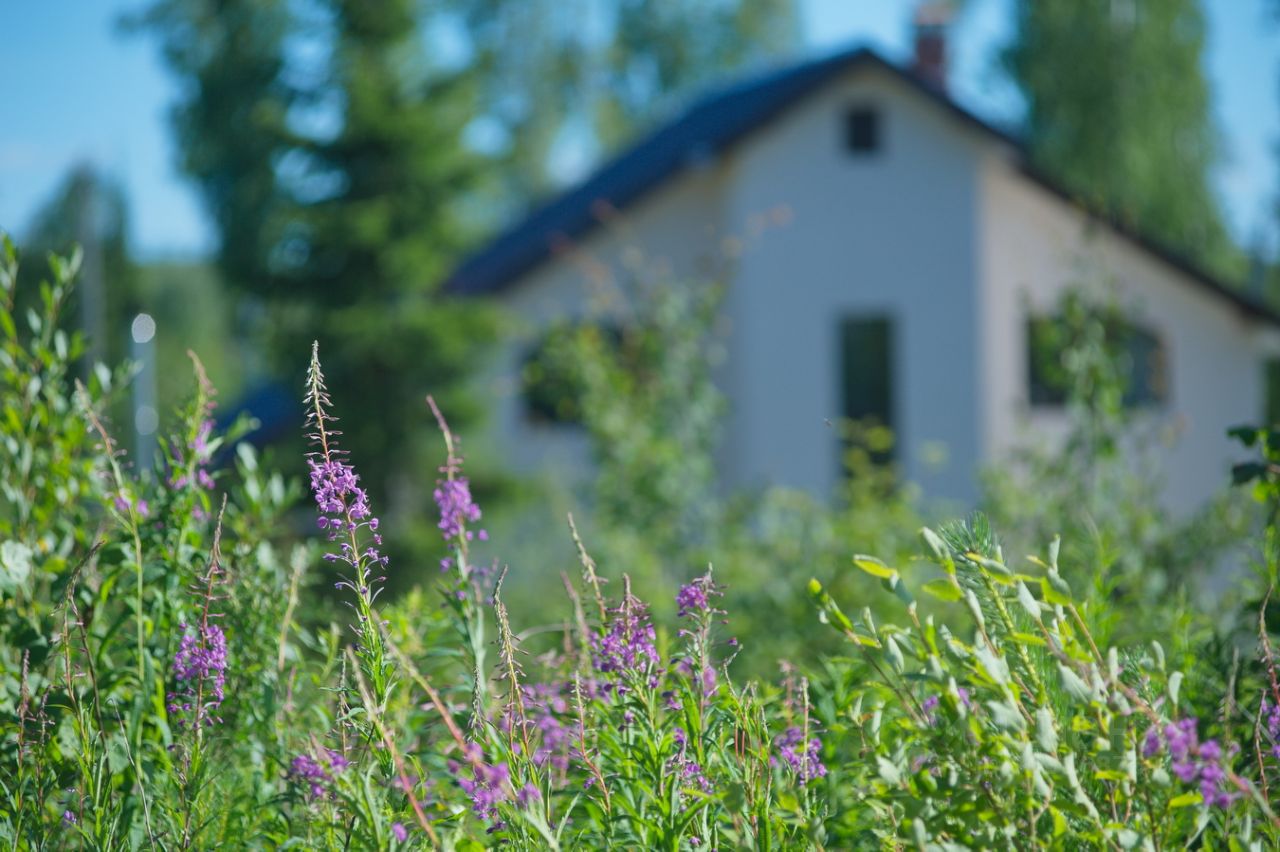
245, 176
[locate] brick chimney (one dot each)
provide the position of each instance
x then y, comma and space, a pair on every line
930, 62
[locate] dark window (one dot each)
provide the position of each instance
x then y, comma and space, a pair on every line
1271, 387
549, 380
862, 130
1142, 357
866, 376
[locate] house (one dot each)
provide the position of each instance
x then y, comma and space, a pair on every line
890, 255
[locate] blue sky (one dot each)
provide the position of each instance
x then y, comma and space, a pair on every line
76, 89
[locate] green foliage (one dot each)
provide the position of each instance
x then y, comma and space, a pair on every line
89, 209
1015, 727
173, 683
591, 74
342, 188
232, 121
102, 566
1098, 487
651, 409
342, 234
1134, 109
641, 383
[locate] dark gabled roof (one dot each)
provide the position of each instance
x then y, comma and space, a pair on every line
714, 124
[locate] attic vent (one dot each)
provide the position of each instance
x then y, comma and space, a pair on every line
862, 130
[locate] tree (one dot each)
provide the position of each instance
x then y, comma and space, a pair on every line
333, 187
369, 248
231, 120
89, 210
343, 189
590, 74
1118, 109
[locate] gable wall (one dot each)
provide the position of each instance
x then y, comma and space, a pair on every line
891, 234
1033, 246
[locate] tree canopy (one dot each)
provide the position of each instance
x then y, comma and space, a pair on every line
1119, 110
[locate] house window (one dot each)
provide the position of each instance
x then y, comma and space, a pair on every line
866, 376
550, 384
862, 130
1140, 352
1271, 391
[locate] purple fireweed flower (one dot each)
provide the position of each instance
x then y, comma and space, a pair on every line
399, 831
1191, 760
688, 770
691, 775
931, 704
124, 502
69, 818
343, 504
334, 484
199, 667
710, 682
1272, 714
486, 787
553, 744
1151, 743
803, 758
453, 497
317, 772
343, 509
527, 795
627, 646
692, 598
188, 469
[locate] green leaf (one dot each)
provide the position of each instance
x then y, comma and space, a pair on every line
1028, 639
935, 544
1247, 472
888, 771
1247, 435
899, 588
894, 654
1056, 593
1127, 838
995, 666
15, 565
874, 567
997, 571
1006, 716
1073, 684
1046, 735
829, 613
1186, 800
1175, 684
1028, 601
943, 589
1059, 822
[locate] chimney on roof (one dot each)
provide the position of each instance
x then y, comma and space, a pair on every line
930, 62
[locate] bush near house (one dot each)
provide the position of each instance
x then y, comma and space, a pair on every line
168, 680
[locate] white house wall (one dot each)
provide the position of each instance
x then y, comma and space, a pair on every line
1033, 246
937, 230
889, 234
